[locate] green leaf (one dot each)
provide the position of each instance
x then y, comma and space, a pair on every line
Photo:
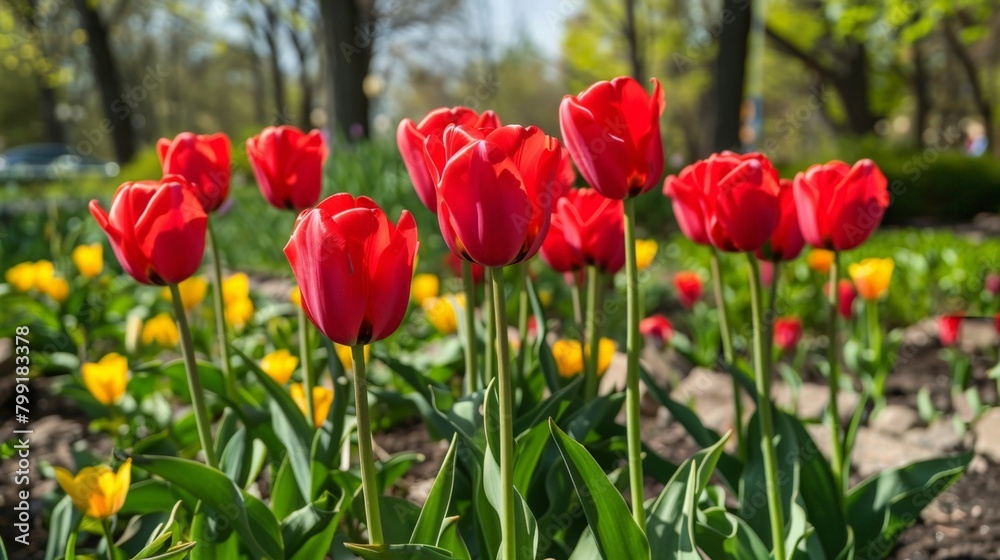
211, 378
530, 447
754, 506
545, 359
670, 524
729, 467
309, 531
65, 518
398, 552
723, 536
290, 426
452, 541
393, 468
285, 494
223, 501
211, 543
435, 509
883, 505
148, 496
609, 517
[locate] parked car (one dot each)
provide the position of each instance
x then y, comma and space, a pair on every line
44, 162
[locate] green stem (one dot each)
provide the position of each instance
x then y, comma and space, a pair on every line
772, 316
590, 351
507, 518
489, 355
470, 328
71, 542
832, 354
578, 318
763, 379
305, 356
522, 321
201, 420
106, 528
727, 348
220, 314
875, 343
633, 426
368, 485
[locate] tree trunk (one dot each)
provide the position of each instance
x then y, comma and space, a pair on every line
983, 104
348, 45
921, 90
116, 110
636, 60
305, 84
277, 78
730, 73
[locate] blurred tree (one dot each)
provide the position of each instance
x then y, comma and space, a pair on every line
730, 73
109, 81
32, 21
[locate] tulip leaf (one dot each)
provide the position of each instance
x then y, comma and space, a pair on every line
290, 426
212, 543
551, 406
308, 532
452, 541
211, 378
545, 359
670, 527
530, 447
723, 536
148, 496
63, 522
729, 467
435, 509
394, 468
880, 507
398, 552
615, 532
224, 503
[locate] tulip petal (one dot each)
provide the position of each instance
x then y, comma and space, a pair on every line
171, 233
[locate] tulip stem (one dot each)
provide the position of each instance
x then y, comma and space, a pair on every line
108, 538
727, 348
763, 379
633, 342
522, 321
305, 356
771, 317
489, 356
590, 351
201, 420
468, 283
368, 485
875, 343
507, 518
220, 313
832, 353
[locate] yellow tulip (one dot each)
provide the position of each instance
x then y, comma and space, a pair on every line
160, 330
279, 365
545, 297
346, 359
107, 378
569, 358
871, 277
236, 288
192, 290
45, 273
21, 276
424, 287
57, 289
89, 259
322, 399
645, 252
296, 296
97, 491
440, 311
820, 260
238, 312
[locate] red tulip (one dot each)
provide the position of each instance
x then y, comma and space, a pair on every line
612, 130
288, 165
845, 297
410, 138
494, 191
786, 242
156, 229
689, 288
657, 327
728, 200
992, 283
949, 327
787, 331
353, 267
586, 228
455, 264
201, 159
839, 205
996, 322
